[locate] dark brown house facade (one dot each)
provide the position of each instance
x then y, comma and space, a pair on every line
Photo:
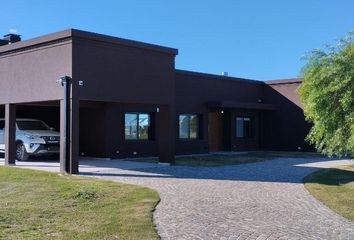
128, 100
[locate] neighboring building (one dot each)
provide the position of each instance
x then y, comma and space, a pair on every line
128, 100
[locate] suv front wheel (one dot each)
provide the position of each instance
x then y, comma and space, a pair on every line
21, 153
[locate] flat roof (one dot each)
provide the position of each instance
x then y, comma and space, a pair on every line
75, 33
208, 75
284, 81
70, 33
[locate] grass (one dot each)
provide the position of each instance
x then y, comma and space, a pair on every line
214, 160
42, 205
334, 188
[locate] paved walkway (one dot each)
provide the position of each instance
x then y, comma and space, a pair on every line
263, 200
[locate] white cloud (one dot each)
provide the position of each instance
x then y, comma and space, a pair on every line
13, 30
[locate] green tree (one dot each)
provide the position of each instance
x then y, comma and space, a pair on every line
327, 95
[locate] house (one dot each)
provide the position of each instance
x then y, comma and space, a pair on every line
126, 99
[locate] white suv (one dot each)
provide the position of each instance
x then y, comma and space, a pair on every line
33, 138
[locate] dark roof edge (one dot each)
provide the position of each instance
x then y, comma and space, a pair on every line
208, 75
33, 42
69, 33
122, 41
284, 81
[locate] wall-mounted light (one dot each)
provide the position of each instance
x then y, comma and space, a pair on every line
64, 80
222, 112
157, 109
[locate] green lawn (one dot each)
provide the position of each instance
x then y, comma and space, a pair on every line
42, 205
214, 160
334, 188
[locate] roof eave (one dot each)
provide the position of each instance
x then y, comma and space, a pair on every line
74, 33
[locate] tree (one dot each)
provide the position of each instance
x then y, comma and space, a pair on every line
327, 95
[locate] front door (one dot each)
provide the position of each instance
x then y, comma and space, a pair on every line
215, 132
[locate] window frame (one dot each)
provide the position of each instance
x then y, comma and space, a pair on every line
189, 116
138, 138
250, 130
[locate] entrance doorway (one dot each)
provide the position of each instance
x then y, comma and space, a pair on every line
215, 130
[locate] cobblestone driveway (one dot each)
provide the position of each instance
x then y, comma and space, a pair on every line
265, 200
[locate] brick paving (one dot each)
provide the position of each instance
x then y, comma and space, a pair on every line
265, 200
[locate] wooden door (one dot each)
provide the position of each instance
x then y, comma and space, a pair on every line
215, 132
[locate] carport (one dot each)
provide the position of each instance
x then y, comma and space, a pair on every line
101, 70
33, 110
48, 112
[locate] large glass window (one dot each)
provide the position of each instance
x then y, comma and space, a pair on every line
244, 127
144, 126
137, 126
188, 126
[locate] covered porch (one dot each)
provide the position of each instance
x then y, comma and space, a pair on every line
236, 126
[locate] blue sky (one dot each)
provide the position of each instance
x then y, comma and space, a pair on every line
251, 39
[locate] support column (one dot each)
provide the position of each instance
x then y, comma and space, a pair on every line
10, 134
64, 153
227, 130
74, 136
69, 137
166, 134
69, 128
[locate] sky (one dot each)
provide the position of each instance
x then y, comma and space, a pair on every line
253, 39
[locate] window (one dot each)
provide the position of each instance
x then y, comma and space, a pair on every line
2, 125
32, 125
188, 126
244, 127
137, 126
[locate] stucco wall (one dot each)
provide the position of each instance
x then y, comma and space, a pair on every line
30, 75
194, 90
117, 73
286, 128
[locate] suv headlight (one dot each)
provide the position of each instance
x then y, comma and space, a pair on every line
30, 136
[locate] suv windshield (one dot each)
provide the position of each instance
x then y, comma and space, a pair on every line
32, 125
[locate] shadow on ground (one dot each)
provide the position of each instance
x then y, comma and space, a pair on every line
282, 170
331, 177
291, 170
